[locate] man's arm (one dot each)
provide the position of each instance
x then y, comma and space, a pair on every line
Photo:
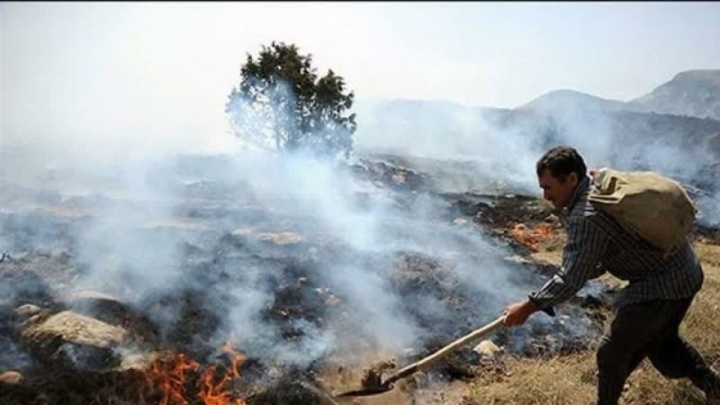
581, 256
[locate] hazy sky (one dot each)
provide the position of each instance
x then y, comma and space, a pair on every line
130, 75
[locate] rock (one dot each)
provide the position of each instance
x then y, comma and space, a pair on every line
282, 238
11, 378
322, 290
28, 314
27, 310
180, 224
460, 221
332, 301
241, 236
421, 380
136, 361
72, 340
487, 348
110, 310
399, 178
519, 260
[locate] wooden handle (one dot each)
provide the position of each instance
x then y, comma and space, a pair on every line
428, 361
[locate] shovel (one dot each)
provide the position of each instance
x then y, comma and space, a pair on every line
376, 386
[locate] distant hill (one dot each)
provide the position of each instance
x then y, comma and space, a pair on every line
571, 99
418, 124
694, 93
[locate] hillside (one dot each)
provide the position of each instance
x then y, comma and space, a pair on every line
570, 99
694, 93
684, 110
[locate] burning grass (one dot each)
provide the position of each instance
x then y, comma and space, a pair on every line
533, 237
171, 374
171, 378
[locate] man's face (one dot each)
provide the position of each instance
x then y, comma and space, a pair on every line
557, 192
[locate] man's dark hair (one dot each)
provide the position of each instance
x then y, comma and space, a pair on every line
561, 161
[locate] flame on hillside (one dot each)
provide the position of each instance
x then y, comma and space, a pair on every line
180, 381
531, 237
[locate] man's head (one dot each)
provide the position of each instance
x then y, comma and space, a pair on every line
559, 172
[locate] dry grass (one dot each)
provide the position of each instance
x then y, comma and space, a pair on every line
571, 380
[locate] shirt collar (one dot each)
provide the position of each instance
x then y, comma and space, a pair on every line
580, 190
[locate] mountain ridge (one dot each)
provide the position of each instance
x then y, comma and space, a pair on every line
694, 93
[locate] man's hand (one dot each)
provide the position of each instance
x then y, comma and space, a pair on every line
517, 314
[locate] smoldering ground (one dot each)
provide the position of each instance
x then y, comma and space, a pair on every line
286, 255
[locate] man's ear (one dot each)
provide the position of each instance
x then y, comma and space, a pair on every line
573, 178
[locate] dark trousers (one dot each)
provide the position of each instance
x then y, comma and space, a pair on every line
649, 329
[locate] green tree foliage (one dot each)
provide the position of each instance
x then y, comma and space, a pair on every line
281, 103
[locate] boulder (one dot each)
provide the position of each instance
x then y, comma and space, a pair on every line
282, 238
27, 314
10, 378
487, 348
71, 340
112, 311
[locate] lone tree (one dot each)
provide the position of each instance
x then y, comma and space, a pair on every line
282, 104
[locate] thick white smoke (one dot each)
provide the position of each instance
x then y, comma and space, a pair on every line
505, 144
325, 204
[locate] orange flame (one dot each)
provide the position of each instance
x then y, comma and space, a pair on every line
170, 375
215, 393
237, 357
531, 238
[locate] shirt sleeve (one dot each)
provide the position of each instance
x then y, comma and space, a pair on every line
581, 257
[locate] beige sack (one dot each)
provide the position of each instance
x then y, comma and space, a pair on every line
657, 208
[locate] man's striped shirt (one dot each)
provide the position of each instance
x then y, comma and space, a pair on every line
598, 243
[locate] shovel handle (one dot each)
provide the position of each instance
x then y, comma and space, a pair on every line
428, 361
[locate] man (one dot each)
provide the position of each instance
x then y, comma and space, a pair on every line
651, 307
